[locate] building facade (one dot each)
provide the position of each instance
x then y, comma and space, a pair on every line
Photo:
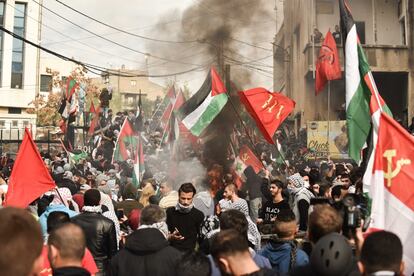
130, 87
18, 63
386, 31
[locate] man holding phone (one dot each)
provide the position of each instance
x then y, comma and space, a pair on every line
184, 220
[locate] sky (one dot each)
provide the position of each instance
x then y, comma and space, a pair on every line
160, 19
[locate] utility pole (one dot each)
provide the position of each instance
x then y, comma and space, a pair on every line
220, 59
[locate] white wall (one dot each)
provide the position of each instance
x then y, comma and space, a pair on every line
388, 29
19, 97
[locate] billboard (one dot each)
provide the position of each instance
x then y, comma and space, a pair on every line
323, 143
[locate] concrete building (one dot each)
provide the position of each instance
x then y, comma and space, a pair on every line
18, 63
129, 87
48, 64
386, 31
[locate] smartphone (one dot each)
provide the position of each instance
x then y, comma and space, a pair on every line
120, 213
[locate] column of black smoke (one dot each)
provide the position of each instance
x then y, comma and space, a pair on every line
214, 24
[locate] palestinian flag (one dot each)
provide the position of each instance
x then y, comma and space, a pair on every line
201, 109
74, 158
360, 85
139, 166
71, 86
280, 156
94, 118
168, 102
126, 144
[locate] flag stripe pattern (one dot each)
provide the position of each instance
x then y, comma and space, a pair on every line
359, 85
201, 109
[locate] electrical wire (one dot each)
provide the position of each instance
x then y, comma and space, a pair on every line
123, 31
111, 41
250, 44
64, 35
95, 69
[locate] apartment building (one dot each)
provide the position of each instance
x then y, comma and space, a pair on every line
129, 87
386, 31
18, 63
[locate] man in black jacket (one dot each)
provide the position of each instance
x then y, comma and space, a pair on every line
99, 230
147, 251
184, 220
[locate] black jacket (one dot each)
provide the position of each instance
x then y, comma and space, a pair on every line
100, 237
70, 271
146, 252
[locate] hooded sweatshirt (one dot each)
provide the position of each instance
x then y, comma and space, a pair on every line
146, 252
279, 254
204, 202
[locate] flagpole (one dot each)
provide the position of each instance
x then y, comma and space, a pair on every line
329, 109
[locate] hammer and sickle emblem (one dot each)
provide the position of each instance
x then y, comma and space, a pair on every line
245, 157
280, 111
267, 102
390, 173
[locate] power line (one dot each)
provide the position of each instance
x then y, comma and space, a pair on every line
111, 41
62, 34
250, 44
123, 31
98, 70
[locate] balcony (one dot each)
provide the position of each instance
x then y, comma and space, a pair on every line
381, 58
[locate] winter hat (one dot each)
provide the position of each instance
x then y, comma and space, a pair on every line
68, 175
66, 167
85, 187
59, 170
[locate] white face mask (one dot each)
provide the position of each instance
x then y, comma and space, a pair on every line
307, 185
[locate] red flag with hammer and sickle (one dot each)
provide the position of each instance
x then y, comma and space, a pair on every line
268, 109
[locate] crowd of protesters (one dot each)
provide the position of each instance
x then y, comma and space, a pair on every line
295, 218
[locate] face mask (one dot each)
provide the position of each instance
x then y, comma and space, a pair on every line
307, 185
183, 209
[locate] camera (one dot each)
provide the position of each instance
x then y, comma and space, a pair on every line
353, 208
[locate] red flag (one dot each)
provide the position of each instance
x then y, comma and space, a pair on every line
29, 178
391, 183
327, 66
268, 109
92, 108
95, 119
249, 159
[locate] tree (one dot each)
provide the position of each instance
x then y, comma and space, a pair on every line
47, 109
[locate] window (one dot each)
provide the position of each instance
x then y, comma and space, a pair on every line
18, 47
15, 123
2, 123
130, 100
26, 123
133, 83
2, 4
15, 110
45, 83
